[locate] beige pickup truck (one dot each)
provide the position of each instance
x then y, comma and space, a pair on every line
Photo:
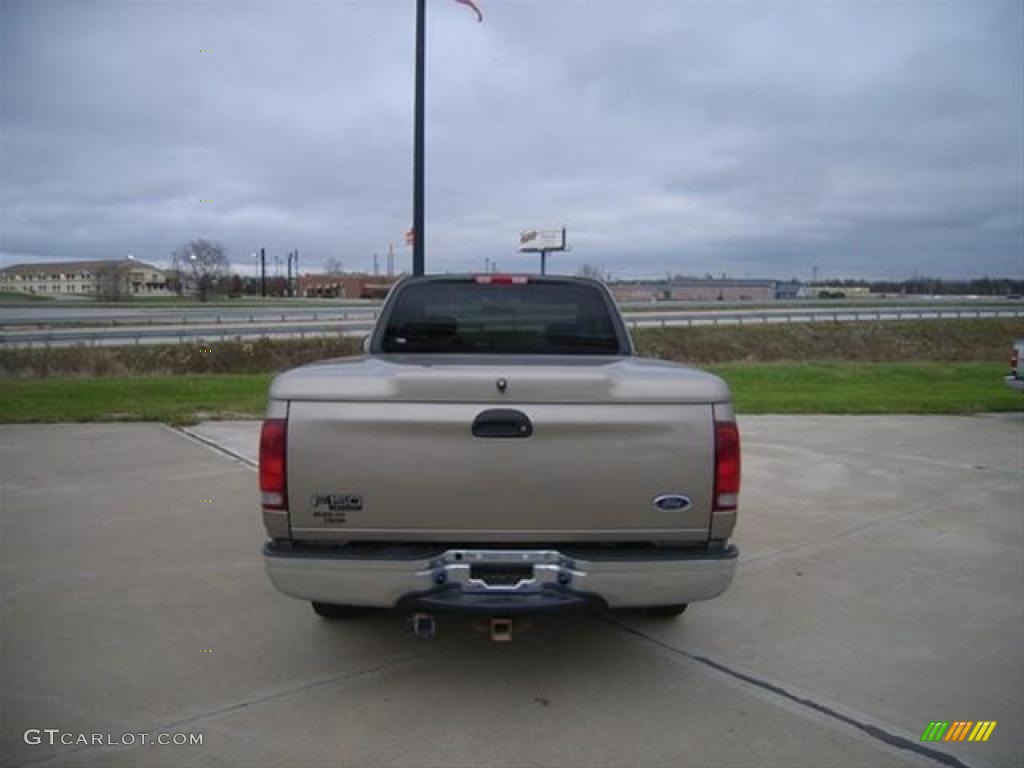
499, 449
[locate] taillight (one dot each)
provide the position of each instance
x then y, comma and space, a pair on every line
727, 465
273, 462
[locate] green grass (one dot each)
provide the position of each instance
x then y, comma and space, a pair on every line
171, 399
818, 387
17, 297
847, 387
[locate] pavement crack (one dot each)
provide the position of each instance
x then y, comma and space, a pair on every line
895, 518
182, 431
250, 702
304, 688
870, 458
873, 731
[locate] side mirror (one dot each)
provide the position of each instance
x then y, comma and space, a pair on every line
366, 345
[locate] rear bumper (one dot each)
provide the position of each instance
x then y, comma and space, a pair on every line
1014, 383
450, 579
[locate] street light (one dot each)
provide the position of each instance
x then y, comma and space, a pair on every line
418, 234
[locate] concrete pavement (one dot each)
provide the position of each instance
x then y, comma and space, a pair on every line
881, 586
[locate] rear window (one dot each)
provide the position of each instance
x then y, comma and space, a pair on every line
535, 318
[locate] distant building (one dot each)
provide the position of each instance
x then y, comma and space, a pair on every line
97, 277
722, 290
790, 289
345, 286
849, 291
689, 289
638, 291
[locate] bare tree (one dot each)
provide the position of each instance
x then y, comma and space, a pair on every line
110, 281
200, 264
333, 266
174, 281
589, 270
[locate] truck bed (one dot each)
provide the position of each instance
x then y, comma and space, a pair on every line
384, 450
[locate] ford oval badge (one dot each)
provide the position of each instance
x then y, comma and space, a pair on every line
672, 502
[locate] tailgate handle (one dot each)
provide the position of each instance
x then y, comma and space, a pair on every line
502, 422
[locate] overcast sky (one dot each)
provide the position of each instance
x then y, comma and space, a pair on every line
873, 139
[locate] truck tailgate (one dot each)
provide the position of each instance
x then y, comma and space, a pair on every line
400, 470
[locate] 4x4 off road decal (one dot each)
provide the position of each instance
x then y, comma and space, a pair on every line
958, 730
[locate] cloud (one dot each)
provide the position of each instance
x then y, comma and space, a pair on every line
752, 138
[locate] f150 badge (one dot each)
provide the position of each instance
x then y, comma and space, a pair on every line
331, 507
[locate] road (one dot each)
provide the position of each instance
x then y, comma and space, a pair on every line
198, 327
880, 586
62, 313
87, 313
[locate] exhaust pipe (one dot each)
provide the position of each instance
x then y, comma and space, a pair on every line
423, 625
501, 629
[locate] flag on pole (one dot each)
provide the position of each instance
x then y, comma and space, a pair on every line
473, 5
410, 237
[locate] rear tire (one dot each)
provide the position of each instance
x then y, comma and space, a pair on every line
664, 611
339, 611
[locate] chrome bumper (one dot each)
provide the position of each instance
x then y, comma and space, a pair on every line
551, 578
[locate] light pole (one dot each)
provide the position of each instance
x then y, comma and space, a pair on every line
419, 234
263, 273
195, 282
418, 175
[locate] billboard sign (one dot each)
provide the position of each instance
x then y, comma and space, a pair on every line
536, 240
